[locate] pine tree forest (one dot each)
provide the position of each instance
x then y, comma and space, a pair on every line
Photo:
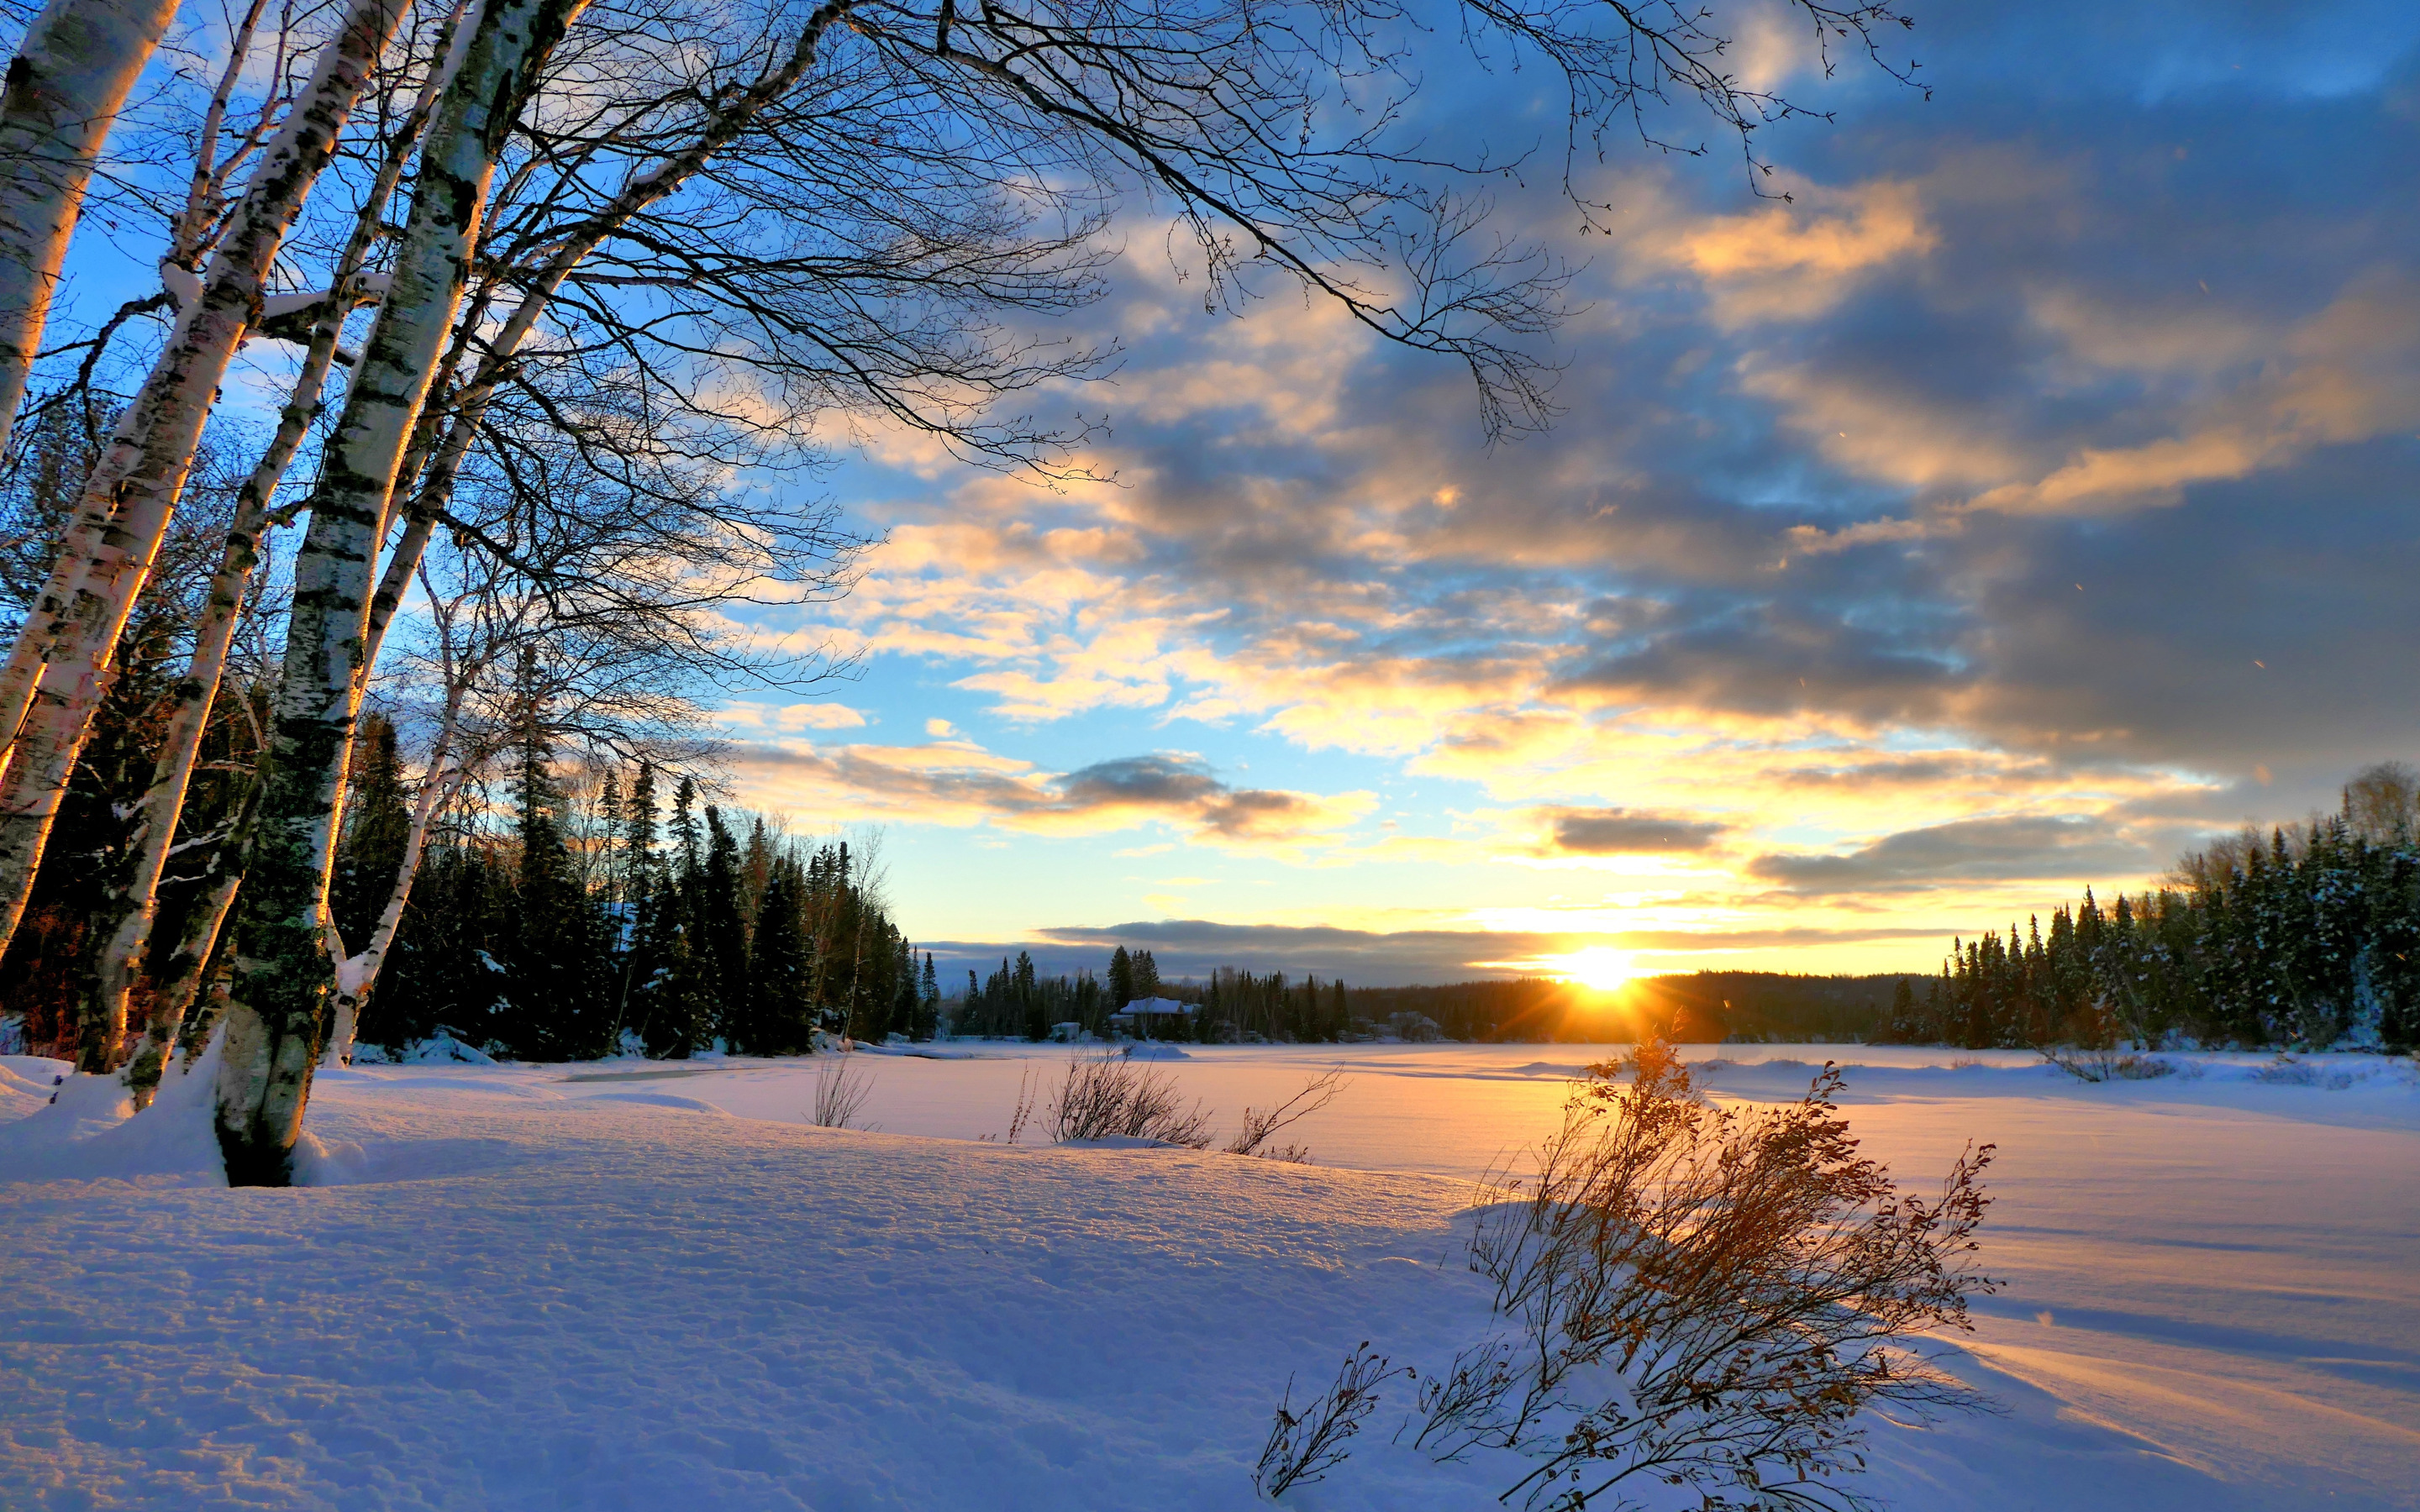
2304, 936
589, 916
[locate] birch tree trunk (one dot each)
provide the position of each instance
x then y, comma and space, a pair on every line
282, 966
180, 977
65, 89
357, 974
125, 918
126, 508
38, 636
126, 915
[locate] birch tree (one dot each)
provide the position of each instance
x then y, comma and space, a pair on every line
55, 673
122, 928
282, 966
65, 89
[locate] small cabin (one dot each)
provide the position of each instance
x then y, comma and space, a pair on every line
1153, 1018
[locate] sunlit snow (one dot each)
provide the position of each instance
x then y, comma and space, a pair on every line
655, 1286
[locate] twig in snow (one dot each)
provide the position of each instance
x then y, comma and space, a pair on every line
1303, 1446
1316, 1094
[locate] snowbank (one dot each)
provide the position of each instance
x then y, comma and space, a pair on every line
27, 1083
86, 1134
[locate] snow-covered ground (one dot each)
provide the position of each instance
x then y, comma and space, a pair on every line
647, 1286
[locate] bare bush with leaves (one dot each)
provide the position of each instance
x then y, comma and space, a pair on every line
1253, 1138
1304, 1445
1704, 1297
840, 1091
1109, 1096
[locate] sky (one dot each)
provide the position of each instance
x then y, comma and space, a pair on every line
2028, 496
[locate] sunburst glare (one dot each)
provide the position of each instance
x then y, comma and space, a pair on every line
1598, 967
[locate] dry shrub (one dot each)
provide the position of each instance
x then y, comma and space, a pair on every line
1303, 1446
2287, 1071
1023, 1114
841, 1090
1253, 1139
1109, 1096
2107, 1063
2096, 1048
1704, 1297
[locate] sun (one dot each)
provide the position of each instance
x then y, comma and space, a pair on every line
1597, 967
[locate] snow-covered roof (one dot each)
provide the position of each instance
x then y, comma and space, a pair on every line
1156, 1005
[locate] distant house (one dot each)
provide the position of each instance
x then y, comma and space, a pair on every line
1153, 1018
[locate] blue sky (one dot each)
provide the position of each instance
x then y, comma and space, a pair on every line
2029, 495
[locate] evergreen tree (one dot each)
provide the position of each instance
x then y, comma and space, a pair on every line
722, 931
779, 1019
446, 969
1903, 1027
677, 1022
641, 960
1121, 981
551, 979
377, 822
907, 996
1032, 1012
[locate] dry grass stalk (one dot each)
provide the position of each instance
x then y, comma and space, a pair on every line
1303, 1446
840, 1091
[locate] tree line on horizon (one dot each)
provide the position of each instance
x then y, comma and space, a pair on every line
1234, 1004
2306, 937
559, 924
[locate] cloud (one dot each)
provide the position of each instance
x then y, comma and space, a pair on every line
2067, 851
1627, 832
1795, 261
1980, 523
791, 719
959, 784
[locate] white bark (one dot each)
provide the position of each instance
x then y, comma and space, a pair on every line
180, 979
164, 801
125, 523
135, 908
355, 975
282, 966
183, 286
65, 89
